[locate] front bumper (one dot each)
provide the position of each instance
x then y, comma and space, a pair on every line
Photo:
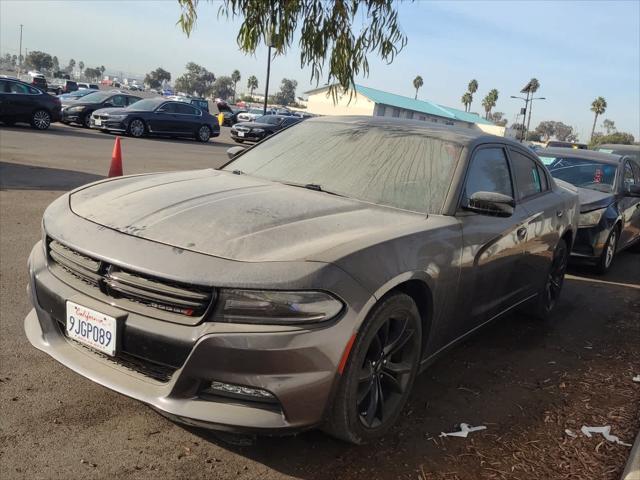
248, 136
297, 365
115, 125
589, 243
71, 117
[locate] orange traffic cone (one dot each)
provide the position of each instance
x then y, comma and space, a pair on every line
115, 170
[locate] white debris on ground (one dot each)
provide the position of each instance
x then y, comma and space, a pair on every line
570, 433
465, 429
636, 379
605, 432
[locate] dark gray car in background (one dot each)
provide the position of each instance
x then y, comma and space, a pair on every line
609, 190
308, 281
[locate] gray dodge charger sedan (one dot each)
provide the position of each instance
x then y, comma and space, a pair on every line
306, 282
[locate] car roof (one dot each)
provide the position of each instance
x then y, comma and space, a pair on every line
579, 153
620, 147
459, 135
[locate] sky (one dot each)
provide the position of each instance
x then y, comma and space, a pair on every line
577, 50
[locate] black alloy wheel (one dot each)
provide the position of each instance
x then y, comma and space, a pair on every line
380, 371
136, 128
548, 297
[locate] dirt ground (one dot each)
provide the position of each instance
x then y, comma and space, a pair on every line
525, 381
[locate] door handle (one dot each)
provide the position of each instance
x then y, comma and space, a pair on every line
521, 232
559, 213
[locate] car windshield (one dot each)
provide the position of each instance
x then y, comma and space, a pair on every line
629, 153
270, 119
96, 97
145, 105
396, 166
581, 172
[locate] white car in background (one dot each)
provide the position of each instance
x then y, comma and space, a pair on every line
252, 114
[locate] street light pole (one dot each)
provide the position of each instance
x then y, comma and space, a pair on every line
531, 108
20, 54
266, 88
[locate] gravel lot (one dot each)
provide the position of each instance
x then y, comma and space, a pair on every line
526, 381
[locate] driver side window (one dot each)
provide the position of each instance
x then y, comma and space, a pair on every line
488, 172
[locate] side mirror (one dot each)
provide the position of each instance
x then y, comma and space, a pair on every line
632, 190
234, 152
490, 203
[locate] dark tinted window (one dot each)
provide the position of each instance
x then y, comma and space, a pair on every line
636, 171
118, 101
526, 174
15, 87
4, 87
629, 178
132, 100
168, 108
290, 121
185, 109
488, 172
543, 178
582, 172
399, 167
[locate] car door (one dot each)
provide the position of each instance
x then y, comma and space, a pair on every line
544, 222
492, 246
21, 100
5, 108
163, 118
187, 118
629, 206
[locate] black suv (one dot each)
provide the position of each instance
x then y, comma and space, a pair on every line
79, 111
21, 102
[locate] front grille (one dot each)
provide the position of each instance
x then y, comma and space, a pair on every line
131, 288
242, 129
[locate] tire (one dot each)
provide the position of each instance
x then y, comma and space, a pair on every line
548, 297
608, 252
86, 120
203, 134
136, 128
41, 120
239, 141
375, 386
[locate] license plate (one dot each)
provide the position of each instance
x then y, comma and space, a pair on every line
97, 122
91, 328
241, 134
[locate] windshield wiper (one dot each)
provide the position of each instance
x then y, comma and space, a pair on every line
313, 186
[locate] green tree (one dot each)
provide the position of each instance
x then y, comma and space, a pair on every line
473, 88
92, 73
598, 106
102, 69
155, 78
196, 79
287, 93
81, 67
223, 87
498, 119
563, 132
235, 76
466, 100
252, 84
621, 138
72, 64
38, 60
339, 34
417, 84
55, 64
489, 102
609, 126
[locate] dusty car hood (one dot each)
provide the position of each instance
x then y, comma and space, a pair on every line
233, 216
593, 199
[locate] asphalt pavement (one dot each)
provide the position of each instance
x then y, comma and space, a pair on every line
525, 381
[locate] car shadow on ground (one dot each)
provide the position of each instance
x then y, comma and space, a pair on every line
502, 377
15, 176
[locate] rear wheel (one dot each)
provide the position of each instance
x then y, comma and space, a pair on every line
608, 252
380, 371
203, 134
136, 128
41, 120
550, 293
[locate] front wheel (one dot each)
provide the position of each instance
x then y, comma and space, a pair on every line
380, 371
86, 120
136, 128
203, 134
608, 252
41, 120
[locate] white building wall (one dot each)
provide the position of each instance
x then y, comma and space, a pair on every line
321, 103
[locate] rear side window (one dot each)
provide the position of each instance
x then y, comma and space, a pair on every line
118, 101
168, 108
636, 171
488, 172
132, 100
15, 87
185, 109
529, 178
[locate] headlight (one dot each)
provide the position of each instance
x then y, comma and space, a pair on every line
589, 219
116, 117
257, 130
76, 109
276, 307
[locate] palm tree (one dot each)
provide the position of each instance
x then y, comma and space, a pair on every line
466, 100
473, 88
81, 67
417, 84
489, 102
235, 76
252, 84
598, 106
